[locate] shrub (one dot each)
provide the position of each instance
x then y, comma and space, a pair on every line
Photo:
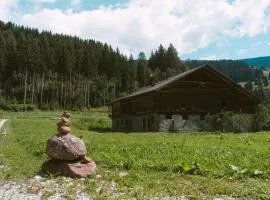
186, 168
4, 104
228, 122
93, 123
208, 123
22, 107
262, 118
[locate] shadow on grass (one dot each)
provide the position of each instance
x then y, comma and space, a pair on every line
107, 130
101, 130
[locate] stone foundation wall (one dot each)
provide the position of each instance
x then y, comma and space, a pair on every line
176, 123
179, 124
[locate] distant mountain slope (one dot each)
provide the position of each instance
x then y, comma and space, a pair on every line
258, 62
235, 69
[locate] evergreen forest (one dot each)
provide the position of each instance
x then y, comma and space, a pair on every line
52, 71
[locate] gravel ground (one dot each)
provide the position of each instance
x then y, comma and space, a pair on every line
63, 188
2, 122
38, 188
12, 191
60, 189
4, 131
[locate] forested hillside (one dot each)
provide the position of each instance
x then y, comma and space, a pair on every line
52, 70
258, 62
60, 71
235, 69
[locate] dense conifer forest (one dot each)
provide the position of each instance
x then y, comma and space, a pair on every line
60, 71
258, 61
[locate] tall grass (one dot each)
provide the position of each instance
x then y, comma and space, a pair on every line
93, 123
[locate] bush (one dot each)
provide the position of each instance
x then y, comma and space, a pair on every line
228, 122
22, 107
93, 123
262, 118
4, 104
208, 123
30, 107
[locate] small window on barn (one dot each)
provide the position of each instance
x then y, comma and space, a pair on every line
126, 122
143, 123
168, 116
152, 119
117, 123
202, 116
122, 122
185, 116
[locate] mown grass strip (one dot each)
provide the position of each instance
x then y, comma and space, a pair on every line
15, 157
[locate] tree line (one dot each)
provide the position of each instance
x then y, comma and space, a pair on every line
61, 71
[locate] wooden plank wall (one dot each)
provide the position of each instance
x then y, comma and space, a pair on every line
201, 92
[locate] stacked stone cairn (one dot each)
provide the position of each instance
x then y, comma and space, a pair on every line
67, 153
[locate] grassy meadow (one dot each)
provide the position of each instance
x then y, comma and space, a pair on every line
144, 165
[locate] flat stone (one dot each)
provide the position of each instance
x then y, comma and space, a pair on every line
69, 169
66, 147
64, 130
86, 159
64, 121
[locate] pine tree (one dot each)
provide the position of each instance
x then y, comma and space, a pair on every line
161, 59
265, 81
173, 62
152, 62
142, 70
249, 86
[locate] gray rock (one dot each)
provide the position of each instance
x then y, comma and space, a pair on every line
65, 147
165, 125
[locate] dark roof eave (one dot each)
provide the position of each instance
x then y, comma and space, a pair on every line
129, 97
159, 85
248, 93
168, 81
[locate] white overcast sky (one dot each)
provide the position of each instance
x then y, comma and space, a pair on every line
201, 29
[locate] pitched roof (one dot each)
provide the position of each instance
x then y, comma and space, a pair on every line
172, 79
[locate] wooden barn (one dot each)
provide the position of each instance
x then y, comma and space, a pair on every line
181, 102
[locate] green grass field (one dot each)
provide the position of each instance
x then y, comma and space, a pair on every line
195, 165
